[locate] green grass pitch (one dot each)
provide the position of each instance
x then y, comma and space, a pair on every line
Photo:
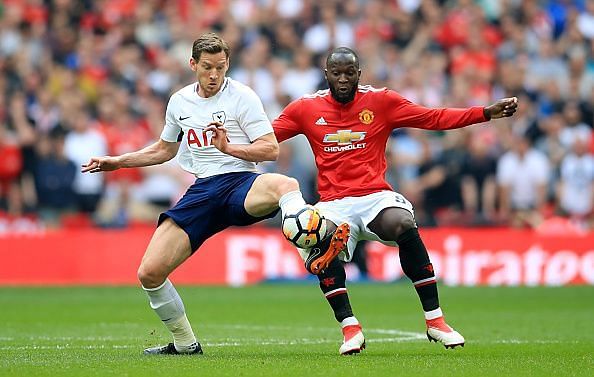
288, 330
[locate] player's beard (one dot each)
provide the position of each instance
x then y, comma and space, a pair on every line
344, 97
211, 90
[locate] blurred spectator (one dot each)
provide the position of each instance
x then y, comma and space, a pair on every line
330, 31
551, 144
44, 112
11, 165
576, 186
525, 120
522, 176
54, 178
408, 149
253, 72
585, 21
547, 67
439, 181
575, 127
115, 62
302, 77
81, 143
23, 196
479, 187
125, 134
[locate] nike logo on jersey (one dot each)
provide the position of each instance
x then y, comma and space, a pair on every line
180, 117
321, 122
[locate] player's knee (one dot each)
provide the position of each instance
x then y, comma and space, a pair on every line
285, 184
400, 221
150, 277
273, 186
407, 222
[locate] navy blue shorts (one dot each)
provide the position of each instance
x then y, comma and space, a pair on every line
213, 204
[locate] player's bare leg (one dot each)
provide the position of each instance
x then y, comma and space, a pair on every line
271, 191
168, 248
397, 224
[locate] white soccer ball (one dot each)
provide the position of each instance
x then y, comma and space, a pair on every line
305, 228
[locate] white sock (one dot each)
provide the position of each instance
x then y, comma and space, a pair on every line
432, 314
291, 202
349, 321
183, 336
165, 301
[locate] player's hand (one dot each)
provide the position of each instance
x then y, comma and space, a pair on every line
97, 164
219, 136
503, 108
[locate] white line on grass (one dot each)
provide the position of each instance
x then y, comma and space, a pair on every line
389, 336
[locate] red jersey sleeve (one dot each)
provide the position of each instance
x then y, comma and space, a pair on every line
403, 113
288, 123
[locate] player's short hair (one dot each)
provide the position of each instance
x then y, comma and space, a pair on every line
342, 51
210, 43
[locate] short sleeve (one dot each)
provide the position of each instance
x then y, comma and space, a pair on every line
171, 130
252, 118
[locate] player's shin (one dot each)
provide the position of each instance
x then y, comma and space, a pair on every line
333, 285
417, 266
165, 301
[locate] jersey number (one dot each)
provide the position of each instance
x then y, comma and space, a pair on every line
399, 199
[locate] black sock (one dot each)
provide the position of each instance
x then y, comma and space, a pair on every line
417, 266
333, 285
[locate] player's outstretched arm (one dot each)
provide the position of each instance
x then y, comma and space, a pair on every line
503, 108
154, 154
264, 148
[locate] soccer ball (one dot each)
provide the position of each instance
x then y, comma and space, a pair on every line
305, 228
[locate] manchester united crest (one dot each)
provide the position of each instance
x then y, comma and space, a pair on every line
366, 116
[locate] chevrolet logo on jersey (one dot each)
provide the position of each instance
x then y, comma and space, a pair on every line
344, 137
344, 140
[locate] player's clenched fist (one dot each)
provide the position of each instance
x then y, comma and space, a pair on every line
219, 135
97, 164
505, 107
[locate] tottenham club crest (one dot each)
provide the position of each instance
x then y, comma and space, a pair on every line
366, 116
219, 116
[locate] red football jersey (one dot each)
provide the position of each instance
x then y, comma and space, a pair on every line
349, 140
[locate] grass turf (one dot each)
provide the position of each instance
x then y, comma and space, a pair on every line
288, 330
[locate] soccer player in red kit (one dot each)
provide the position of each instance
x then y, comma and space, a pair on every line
348, 127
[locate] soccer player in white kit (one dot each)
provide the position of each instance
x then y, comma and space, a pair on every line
221, 131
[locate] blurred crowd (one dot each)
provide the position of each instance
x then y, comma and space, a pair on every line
89, 78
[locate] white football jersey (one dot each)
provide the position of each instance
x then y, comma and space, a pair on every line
235, 105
